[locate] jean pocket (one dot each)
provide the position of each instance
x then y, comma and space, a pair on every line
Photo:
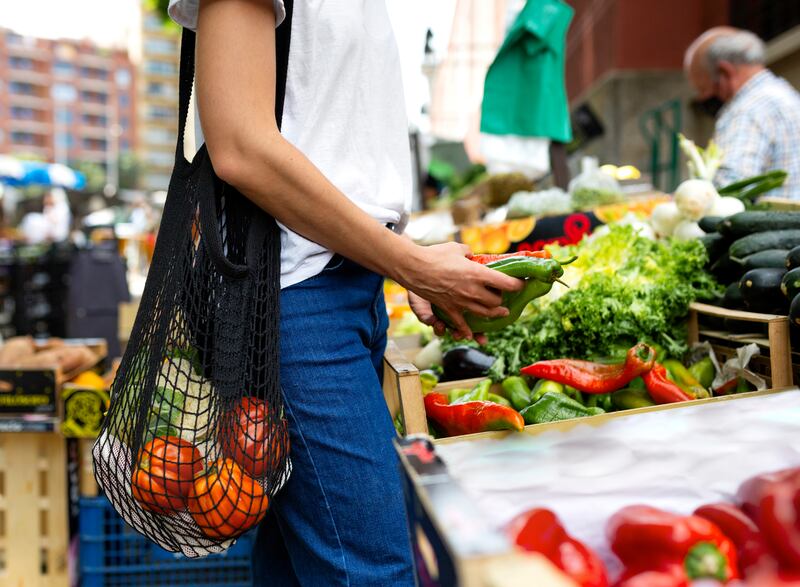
335, 263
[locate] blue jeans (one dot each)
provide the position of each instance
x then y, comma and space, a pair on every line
340, 519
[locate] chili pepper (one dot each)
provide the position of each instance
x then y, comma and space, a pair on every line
499, 399
598, 400
647, 539
595, 377
552, 407
685, 380
486, 259
544, 386
540, 530
539, 275
518, 392
470, 417
704, 371
479, 393
661, 389
751, 548
629, 399
773, 502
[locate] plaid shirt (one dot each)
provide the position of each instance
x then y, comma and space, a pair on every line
759, 130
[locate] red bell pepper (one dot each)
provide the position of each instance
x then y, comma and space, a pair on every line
470, 417
592, 377
774, 578
486, 259
661, 389
773, 501
751, 548
668, 576
540, 530
647, 539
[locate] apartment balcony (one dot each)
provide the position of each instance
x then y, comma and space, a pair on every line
95, 84
23, 49
94, 132
32, 126
28, 100
96, 155
42, 151
96, 61
28, 76
94, 108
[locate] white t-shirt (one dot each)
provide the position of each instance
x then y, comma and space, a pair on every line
344, 109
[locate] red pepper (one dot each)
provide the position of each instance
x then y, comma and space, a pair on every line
540, 530
596, 377
661, 389
470, 417
669, 576
774, 578
648, 539
751, 548
486, 259
773, 501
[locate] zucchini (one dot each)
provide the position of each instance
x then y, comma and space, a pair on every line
793, 258
709, 223
794, 312
761, 241
761, 290
769, 258
745, 223
733, 299
725, 270
715, 245
790, 284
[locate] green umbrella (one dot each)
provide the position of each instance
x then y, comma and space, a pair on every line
524, 92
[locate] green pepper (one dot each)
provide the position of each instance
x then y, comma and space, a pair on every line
598, 400
743, 386
429, 380
499, 399
479, 393
570, 391
398, 424
544, 386
630, 398
553, 407
685, 380
704, 371
539, 275
637, 383
518, 392
455, 394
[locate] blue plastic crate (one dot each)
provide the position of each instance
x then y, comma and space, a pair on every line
112, 554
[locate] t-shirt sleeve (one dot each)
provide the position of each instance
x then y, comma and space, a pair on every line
184, 12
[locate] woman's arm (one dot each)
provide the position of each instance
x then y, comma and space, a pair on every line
236, 97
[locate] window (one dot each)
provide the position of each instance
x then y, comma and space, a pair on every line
21, 113
93, 97
94, 120
94, 73
123, 77
23, 88
160, 159
124, 145
65, 140
93, 144
14, 39
21, 63
160, 68
160, 89
64, 93
152, 22
124, 122
159, 136
64, 116
25, 138
63, 68
160, 46
124, 100
160, 113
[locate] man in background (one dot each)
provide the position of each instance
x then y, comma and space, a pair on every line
758, 123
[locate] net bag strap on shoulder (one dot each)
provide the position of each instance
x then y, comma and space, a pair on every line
195, 444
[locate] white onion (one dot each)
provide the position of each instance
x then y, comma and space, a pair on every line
695, 198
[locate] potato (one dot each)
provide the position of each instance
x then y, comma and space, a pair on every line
16, 350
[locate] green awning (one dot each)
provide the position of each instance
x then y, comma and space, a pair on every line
525, 93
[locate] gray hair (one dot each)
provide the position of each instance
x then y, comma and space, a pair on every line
739, 48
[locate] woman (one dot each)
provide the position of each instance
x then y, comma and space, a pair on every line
336, 178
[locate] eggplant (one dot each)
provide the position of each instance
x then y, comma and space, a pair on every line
464, 362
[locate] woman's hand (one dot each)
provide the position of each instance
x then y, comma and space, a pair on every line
442, 275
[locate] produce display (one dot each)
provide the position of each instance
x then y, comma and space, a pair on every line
25, 352
753, 541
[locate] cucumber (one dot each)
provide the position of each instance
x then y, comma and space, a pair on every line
761, 290
709, 223
761, 241
794, 312
790, 284
715, 245
745, 223
725, 270
793, 258
733, 299
769, 258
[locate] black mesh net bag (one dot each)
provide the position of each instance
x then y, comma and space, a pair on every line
195, 444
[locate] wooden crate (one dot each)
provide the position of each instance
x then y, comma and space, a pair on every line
403, 390
775, 362
33, 509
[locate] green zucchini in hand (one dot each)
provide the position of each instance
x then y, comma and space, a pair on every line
769, 258
790, 284
745, 223
761, 241
793, 258
761, 290
709, 224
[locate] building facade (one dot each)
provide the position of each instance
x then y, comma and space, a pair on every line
66, 101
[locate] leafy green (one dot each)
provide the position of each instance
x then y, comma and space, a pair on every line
624, 289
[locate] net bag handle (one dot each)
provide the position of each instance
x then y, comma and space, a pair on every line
201, 164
